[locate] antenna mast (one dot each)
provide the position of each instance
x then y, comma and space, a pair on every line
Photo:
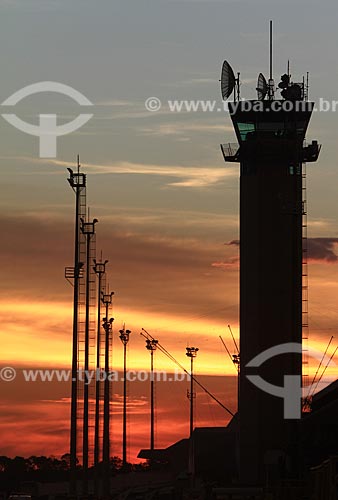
238, 88
271, 82
270, 50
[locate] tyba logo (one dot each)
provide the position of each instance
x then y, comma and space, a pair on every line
291, 392
47, 130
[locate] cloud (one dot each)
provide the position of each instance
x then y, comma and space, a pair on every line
34, 425
318, 249
190, 176
36, 251
322, 225
230, 264
178, 128
233, 242
322, 249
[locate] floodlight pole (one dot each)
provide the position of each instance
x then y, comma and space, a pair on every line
107, 326
99, 269
77, 182
88, 229
151, 345
152, 412
191, 353
124, 337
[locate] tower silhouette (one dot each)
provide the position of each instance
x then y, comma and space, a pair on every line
272, 153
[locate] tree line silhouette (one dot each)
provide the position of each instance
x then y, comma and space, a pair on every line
18, 470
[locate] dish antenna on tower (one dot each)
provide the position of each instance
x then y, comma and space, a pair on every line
271, 83
262, 87
229, 82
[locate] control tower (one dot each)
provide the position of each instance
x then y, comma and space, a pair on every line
271, 152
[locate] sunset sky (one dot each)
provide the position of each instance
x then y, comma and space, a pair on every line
167, 204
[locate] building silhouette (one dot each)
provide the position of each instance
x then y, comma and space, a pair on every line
271, 152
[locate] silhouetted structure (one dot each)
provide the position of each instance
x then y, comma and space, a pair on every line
100, 271
271, 153
124, 337
82, 278
88, 230
107, 299
151, 346
77, 181
191, 353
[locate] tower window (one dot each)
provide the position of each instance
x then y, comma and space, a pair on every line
245, 129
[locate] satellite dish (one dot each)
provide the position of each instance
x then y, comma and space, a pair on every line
228, 80
262, 87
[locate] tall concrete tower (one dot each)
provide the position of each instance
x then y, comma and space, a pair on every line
271, 152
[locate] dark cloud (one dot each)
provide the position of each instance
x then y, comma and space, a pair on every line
322, 249
233, 242
318, 249
148, 271
232, 262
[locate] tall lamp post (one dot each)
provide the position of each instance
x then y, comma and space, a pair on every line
191, 353
107, 299
88, 230
151, 345
124, 337
99, 269
77, 182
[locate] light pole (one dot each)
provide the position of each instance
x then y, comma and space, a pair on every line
191, 353
77, 182
151, 345
88, 230
99, 269
124, 337
107, 326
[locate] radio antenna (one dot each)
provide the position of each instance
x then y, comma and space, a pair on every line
270, 50
229, 83
271, 84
